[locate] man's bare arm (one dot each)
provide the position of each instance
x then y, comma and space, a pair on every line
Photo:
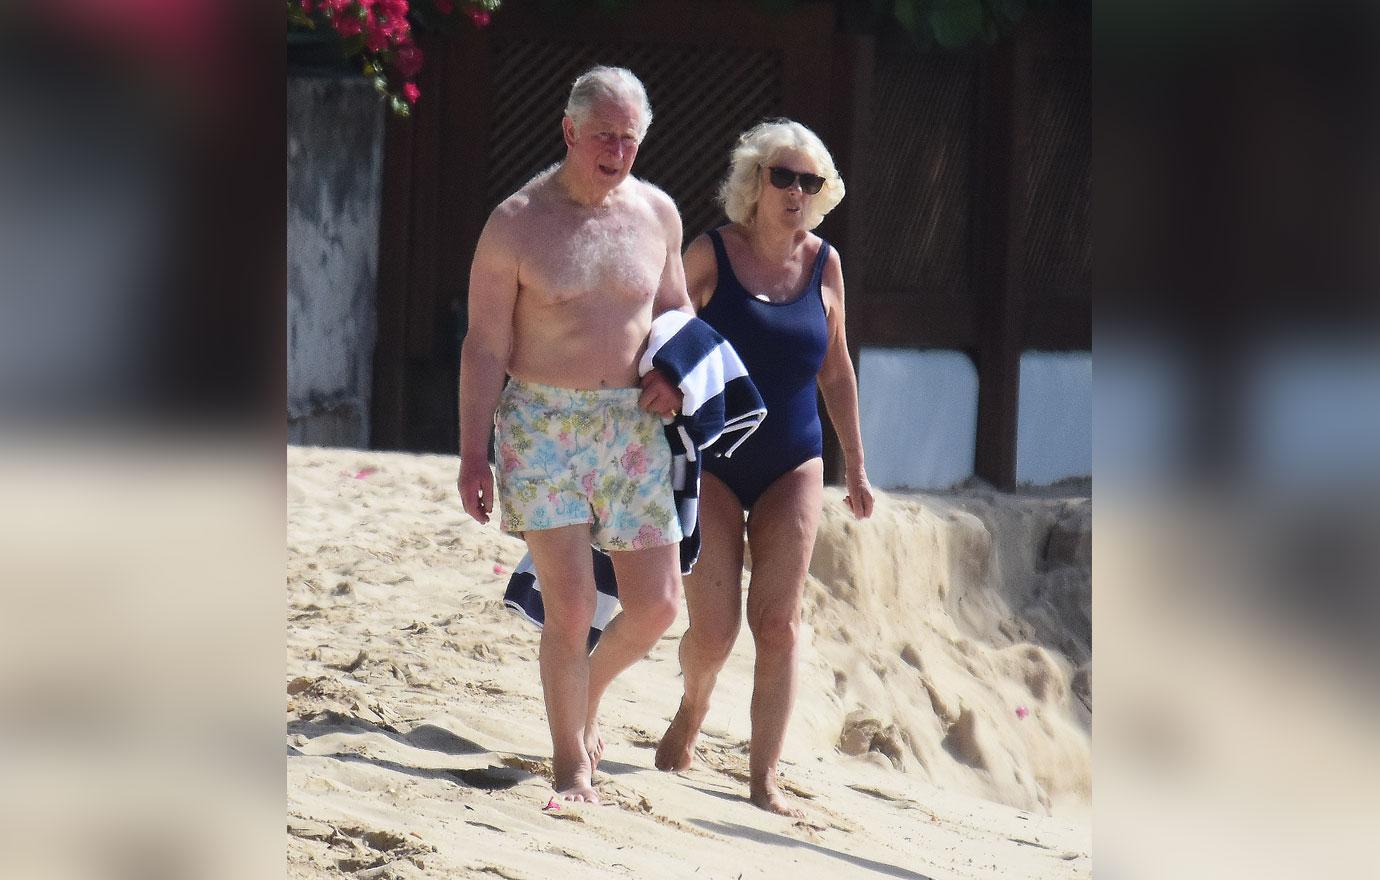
658, 394
671, 293
484, 358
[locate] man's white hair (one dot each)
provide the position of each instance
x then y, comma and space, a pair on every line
607, 83
757, 148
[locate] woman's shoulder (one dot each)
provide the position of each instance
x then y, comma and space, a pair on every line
701, 269
700, 246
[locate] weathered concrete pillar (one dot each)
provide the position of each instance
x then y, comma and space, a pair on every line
335, 152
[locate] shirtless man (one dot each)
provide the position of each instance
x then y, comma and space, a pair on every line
567, 276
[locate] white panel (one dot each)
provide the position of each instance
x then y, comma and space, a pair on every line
1054, 417
919, 417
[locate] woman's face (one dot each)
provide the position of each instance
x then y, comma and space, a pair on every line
787, 206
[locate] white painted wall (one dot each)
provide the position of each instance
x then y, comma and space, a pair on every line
919, 416
1054, 417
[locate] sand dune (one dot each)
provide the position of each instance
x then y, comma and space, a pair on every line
942, 728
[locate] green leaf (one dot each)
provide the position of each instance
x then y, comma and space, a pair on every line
352, 46
298, 18
956, 23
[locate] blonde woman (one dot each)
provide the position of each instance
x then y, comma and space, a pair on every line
774, 289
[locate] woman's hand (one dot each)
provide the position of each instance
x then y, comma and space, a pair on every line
660, 396
859, 497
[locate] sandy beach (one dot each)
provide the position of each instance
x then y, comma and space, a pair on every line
942, 728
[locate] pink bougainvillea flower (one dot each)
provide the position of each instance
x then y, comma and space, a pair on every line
348, 25
1021, 712
411, 92
480, 17
377, 38
408, 60
445, 7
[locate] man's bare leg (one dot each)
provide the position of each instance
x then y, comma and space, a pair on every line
561, 558
781, 533
649, 592
713, 593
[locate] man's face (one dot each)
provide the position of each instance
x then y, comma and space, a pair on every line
604, 145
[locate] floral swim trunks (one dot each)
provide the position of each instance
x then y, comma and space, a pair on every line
568, 457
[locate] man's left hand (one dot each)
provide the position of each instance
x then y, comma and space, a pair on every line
660, 396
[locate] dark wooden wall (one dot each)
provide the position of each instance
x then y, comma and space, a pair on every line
965, 225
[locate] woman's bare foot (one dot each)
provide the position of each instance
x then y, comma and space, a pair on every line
676, 751
768, 797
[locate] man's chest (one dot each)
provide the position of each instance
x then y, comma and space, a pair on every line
611, 255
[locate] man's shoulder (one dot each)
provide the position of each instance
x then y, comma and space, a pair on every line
655, 195
528, 199
657, 199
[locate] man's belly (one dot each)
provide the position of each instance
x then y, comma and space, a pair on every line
585, 368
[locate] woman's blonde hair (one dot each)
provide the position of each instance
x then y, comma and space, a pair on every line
756, 148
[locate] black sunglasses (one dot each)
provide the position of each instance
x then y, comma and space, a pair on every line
782, 178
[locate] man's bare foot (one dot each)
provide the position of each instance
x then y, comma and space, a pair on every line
768, 797
573, 782
594, 745
577, 791
676, 751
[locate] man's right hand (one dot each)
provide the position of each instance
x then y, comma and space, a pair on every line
476, 485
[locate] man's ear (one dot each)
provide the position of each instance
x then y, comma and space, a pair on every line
568, 129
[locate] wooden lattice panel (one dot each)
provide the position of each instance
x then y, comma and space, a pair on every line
1057, 245
920, 188
702, 99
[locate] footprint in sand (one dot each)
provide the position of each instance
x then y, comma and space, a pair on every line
491, 778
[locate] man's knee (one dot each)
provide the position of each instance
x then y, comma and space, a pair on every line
571, 618
715, 637
656, 612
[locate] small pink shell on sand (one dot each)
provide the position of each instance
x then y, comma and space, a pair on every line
498, 569
364, 472
1021, 712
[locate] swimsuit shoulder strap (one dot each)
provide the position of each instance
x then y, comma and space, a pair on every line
728, 279
720, 253
817, 275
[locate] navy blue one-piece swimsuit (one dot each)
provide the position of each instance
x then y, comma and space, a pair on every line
783, 347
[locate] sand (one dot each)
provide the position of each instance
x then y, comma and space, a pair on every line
942, 728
